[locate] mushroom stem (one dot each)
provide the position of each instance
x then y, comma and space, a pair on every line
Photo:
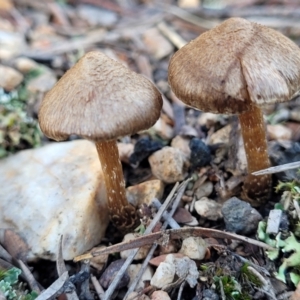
122, 214
256, 189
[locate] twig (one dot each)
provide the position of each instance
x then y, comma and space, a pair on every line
159, 237
297, 208
113, 285
173, 224
171, 35
69, 46
98, 287
222, 290
250, 263
266, 288
181, 290
29, 277
55, 289
85, 292
188, 17
154, 246
61, 269
278, 169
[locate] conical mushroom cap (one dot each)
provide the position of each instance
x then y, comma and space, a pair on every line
99, 99
235, 64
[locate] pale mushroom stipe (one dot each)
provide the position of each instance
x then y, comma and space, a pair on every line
236, 68
100, 100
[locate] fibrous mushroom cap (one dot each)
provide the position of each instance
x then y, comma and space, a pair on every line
99, 99
234, 64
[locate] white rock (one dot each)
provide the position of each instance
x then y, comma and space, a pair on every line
145, 192
142, 253
133, 271
189, 3
11, 44
204, 190
164, 274
193, 223
9, 78
156, 43
42, 83
136, 296
208, 209
168, 164
160, 295
96, 16
186, 269
99, 261
221, 136
182, 143
25, 64
279, 132
163, 129
193, 247
208, 119
52, 191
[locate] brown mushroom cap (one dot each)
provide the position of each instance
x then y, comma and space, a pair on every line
99, 99
237, 62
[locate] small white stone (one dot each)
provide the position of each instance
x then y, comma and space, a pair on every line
168, 165
145, 192
52, 191
156, 44
25, 64
193, 247
142, 253
204, 190
164, 274
279, 132
163, 129
11, 44
160, 295
221, 136
194, 222
209, 209
182, 143
274, 220
133, 271
9, 78
136, 296
208, 119
42, 83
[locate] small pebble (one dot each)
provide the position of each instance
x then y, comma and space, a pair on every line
109, 274
240, 216
133, 270
209, 295
145, 192
9, 78
274, 220
168, 165
204, 190
200, 153
208, 209
160, 295
193, 247
164, 274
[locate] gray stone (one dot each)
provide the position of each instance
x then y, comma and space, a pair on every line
96, 16
239, 216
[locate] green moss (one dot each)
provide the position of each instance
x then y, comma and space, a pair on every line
18, 131
10, 287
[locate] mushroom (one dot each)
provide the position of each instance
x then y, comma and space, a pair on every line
100, 100
237, 68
